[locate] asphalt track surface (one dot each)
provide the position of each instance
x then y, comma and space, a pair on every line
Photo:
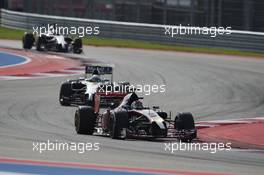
211, 87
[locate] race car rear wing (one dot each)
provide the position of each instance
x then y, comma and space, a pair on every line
102, 69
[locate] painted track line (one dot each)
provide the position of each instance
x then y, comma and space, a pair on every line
39, 65
116, 169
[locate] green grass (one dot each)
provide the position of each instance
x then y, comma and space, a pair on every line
155, 46
15, 34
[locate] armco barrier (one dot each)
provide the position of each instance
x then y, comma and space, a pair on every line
242, 40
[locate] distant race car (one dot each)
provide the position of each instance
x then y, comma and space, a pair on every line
52, 42
131, 119
83, 91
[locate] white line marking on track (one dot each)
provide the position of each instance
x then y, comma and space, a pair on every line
63, 73
214, 123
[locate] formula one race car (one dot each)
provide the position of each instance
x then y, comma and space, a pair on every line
83, 91
52, 42
131, 119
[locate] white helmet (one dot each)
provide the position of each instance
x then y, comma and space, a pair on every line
95, 78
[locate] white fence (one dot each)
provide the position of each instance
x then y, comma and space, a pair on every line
242, 40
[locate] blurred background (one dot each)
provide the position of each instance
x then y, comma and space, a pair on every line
239, 14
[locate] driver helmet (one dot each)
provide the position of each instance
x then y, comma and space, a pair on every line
137, 105
95, 78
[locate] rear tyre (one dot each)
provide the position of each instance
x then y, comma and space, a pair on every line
84, 120
65, 94
28, 40
184, 122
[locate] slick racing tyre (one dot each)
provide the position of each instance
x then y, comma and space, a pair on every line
41, 43
84, 120
118, 123
184, 122
28, 40
77, 46
65, 94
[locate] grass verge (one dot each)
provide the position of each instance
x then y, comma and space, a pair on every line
14, 34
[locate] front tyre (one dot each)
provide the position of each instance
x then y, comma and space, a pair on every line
84, 120
118, 125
